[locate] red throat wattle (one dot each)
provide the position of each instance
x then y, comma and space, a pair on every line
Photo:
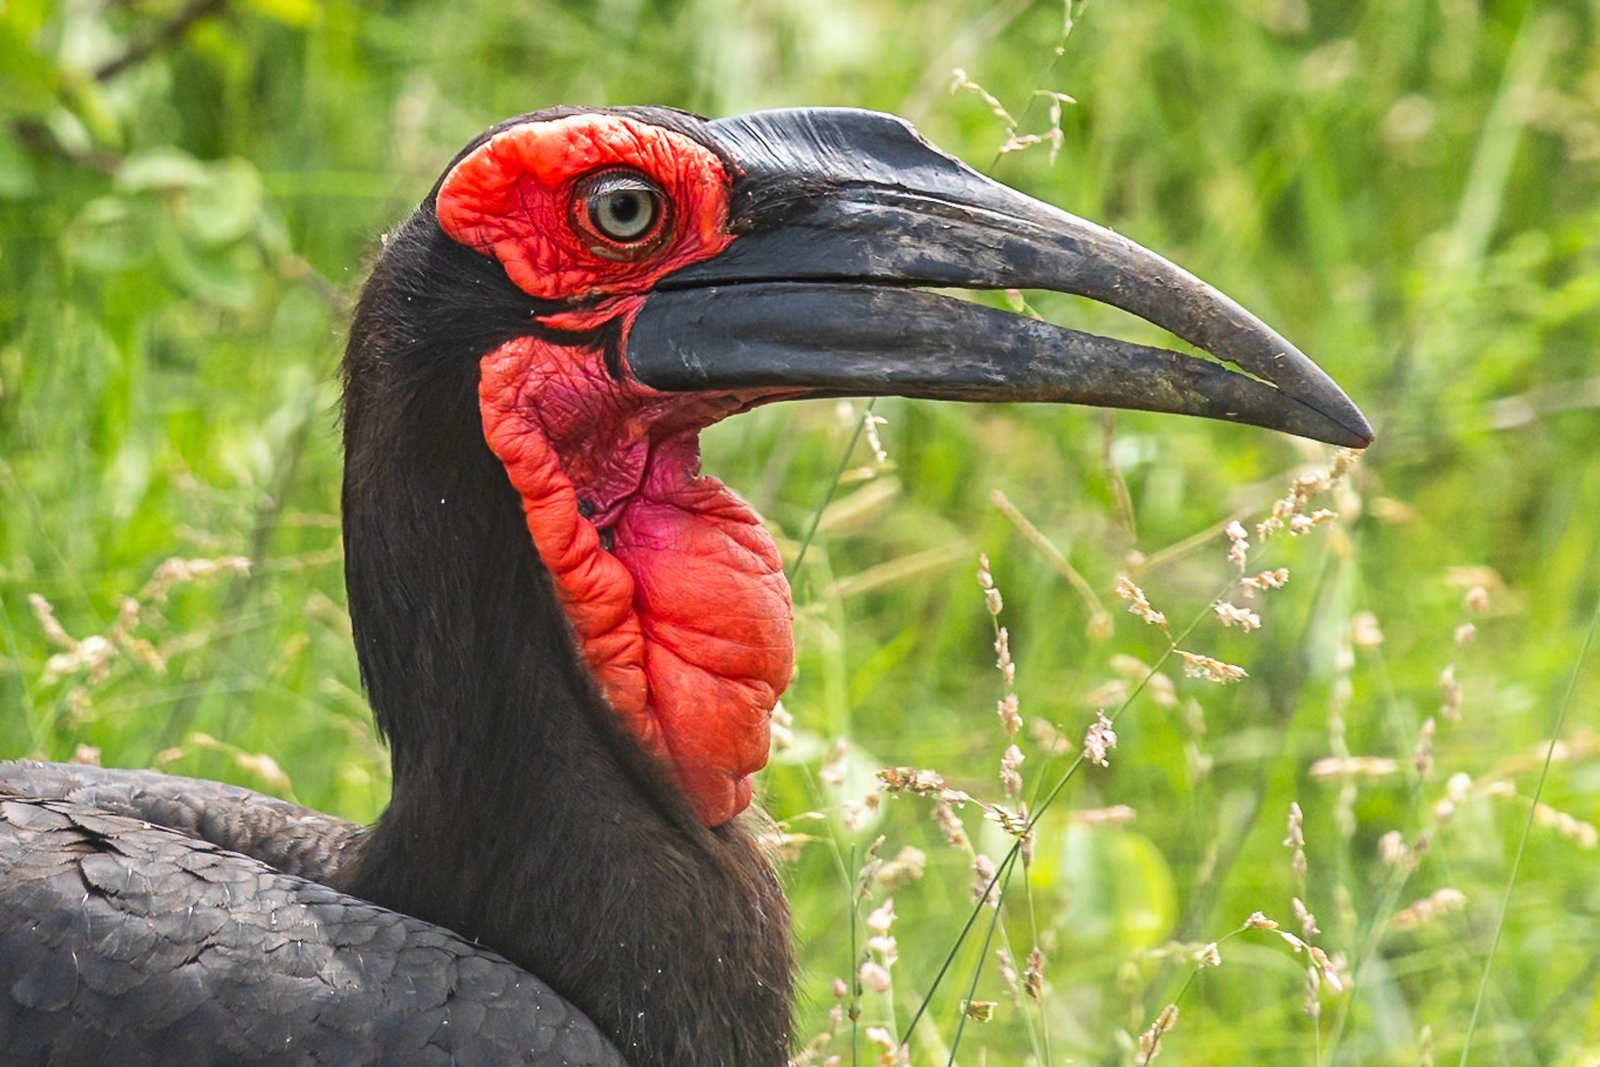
674, 590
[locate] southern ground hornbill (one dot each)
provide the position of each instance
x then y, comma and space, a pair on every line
571, 639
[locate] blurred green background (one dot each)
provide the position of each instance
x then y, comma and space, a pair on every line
1407, 188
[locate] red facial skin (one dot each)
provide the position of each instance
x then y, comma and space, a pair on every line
685, 621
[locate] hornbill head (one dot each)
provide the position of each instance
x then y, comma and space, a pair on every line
676, 270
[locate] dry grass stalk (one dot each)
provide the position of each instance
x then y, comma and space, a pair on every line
1371, 768
1099, 626
870, 424
259, 765
94, 655
1418, 912
961, 82
1115, 815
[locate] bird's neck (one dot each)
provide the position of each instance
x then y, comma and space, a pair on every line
674, 590
523, 814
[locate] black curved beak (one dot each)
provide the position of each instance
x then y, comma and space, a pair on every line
842, 213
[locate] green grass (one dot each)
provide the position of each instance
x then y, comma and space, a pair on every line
1409, 191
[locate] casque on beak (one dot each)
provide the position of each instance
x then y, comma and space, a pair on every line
842, 214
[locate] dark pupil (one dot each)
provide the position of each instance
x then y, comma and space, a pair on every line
624, 214
625, 207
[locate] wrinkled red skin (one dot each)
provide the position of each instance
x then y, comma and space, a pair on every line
685, 619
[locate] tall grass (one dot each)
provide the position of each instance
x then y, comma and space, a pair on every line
1407, 190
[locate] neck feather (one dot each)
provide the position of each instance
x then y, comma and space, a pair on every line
523, 814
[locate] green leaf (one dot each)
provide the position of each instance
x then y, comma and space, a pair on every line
226, 206
161, 170
110, 233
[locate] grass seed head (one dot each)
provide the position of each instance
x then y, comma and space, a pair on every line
1573, 829
1307, 921
950, 825
913, 780
1365, 633
1099, 741
1212, 670
1150, 1040
874, 976
1231, 615
1010, 717
782, 727
1011, 771
1008, 975
991, 596
983, 883
1238, 544
906, 867
1297, 837
1273, 579
1450, 705
1422, 754
1033, 975
1002, 657
1138, 603
1393, 850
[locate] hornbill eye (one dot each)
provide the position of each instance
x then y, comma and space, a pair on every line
621, 206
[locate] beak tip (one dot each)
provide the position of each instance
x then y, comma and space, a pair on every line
1356, 431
